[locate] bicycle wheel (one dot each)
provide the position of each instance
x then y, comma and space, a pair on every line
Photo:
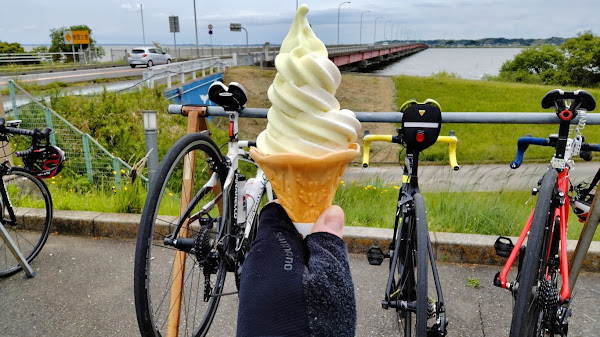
412, 270
32, 205
528, 311
157, 264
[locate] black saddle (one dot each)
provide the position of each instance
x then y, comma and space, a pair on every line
231, 98
581, 100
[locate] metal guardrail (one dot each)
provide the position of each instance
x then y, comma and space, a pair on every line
79, 56
447, 117
180, 69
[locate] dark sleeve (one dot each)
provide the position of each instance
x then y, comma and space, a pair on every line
272, 301
328, 287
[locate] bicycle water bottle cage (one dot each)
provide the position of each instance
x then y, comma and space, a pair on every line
579, 99
421, 123
231, 98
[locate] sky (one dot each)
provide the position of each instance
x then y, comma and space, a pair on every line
29, 22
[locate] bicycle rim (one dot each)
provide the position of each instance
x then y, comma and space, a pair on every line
32, 205
156, 265
528, 312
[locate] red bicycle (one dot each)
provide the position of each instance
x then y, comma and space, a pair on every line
542, 288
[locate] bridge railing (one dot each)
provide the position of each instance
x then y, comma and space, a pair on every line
180, 69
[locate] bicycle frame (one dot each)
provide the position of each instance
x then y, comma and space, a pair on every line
562, 213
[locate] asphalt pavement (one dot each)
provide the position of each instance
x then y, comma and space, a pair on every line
84, 287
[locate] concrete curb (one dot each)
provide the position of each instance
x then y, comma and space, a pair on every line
449, 247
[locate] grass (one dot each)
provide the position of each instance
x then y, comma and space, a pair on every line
491, 213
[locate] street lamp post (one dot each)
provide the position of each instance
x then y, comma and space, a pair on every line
237, 27
196, 28
375, 30
360, 34
143, 33
385, 30
345, 2
150, 127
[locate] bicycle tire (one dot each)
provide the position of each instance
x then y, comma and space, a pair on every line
422, 258
154, 261
31, 231
526, 312
411, 262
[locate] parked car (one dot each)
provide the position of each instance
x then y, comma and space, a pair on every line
147, 56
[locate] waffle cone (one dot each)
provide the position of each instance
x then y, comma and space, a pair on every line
305, 185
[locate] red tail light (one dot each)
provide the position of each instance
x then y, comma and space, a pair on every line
144, 55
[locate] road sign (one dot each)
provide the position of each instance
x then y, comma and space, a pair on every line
81, 37
210, 26
210, 32
235, 27
77, 37
174, 24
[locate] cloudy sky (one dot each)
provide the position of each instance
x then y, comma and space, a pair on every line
120, 22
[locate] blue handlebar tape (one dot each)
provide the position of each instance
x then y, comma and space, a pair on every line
522, 146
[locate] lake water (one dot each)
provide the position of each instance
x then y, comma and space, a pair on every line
467, 63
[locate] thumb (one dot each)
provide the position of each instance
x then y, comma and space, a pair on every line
330, 221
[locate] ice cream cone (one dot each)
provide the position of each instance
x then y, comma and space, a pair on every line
305, 185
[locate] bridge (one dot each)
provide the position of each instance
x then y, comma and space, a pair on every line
364, 56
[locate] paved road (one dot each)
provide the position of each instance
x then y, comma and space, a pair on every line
84, 287
469, 177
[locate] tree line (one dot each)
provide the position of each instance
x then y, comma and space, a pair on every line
575, 62
57, 44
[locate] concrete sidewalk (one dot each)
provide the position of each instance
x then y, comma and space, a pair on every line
84, 287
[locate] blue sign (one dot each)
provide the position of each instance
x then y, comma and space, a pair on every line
193, 93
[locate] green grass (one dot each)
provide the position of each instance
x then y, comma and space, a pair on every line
491, 213
484, 143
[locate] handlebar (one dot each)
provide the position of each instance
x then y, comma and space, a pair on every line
524, 142
35, 134
451, 140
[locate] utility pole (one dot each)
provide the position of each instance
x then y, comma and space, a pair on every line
143, 32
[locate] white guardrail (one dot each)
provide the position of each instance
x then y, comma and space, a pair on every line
168, 71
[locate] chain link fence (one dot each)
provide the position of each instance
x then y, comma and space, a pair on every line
84, 155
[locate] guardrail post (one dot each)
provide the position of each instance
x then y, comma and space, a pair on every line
13, 99
117, 172
210, 70
168, 79
182, 73
194, 67
87, 156
48, 114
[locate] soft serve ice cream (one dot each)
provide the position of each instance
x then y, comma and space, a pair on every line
309, 140
305, 117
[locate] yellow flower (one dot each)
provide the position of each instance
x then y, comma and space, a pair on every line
170, 194
125, 188
122, 171
396, 187
114, 172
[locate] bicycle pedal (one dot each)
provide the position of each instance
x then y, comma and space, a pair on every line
375, 256
503, 246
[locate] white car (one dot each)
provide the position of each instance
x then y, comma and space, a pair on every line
147, 56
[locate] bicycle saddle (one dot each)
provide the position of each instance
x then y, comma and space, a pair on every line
581, 100
231, 98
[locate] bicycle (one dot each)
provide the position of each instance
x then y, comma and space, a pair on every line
213, 228
410, 248
25, 200
541, 298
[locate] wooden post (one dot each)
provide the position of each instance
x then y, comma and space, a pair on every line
195, 124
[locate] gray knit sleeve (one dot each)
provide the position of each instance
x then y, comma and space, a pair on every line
328, 287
